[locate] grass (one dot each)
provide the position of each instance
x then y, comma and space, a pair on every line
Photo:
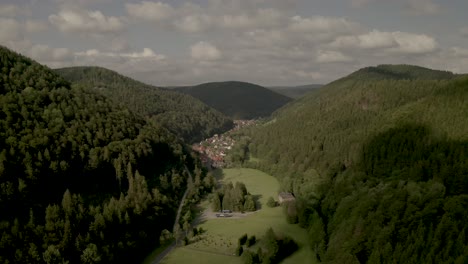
218, 243
156, 252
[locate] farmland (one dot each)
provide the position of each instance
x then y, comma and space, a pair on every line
219, 239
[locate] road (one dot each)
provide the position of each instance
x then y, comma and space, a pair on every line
168, 250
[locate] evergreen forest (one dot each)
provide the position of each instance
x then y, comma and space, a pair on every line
378, 162
238, 100
82, 180
183, 115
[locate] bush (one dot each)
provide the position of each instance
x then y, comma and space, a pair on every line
271, 202
251, 241
242, 240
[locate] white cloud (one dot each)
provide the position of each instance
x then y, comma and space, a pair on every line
327, 56
422, 7
409, 43
153, 11
371, 40
86, 21
147, 53
322, 24
46, 53
398, 42
205, 51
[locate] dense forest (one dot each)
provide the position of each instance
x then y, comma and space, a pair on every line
378, 162
238, 100
295, 91
183, 115
82, 180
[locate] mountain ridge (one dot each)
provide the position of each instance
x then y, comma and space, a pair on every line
187, 117
239, 100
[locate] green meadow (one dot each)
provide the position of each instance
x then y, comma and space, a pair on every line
219, 241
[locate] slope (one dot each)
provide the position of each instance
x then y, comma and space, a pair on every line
183, 115
238, 100
295, 91
391, 153
81, 179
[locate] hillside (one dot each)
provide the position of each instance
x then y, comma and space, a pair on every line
183, 115
295, 91
378, 161
238, 100
82, 180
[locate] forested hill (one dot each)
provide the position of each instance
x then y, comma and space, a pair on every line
379, 165
238, 100
400, 72
183, 115
295, 91
82, 180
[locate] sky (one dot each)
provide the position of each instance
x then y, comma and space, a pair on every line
267, 42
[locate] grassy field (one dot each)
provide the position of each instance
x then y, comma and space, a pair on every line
218, 243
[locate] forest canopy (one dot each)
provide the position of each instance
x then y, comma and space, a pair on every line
378, 162
82, 179
183, 115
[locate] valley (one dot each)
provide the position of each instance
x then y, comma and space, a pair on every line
219, 239
98, 168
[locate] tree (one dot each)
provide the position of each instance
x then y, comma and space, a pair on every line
271, 202
216, 203
242, 239
239, 250
251, 241
90, 254
249, 203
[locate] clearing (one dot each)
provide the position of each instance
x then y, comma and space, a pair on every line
219, 241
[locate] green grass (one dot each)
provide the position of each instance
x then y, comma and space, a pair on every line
156, 252
220, 239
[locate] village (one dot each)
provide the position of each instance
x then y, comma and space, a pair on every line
213, 150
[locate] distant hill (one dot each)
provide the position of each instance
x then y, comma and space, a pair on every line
295, 91
378, 162
400, 72
82, 179
187, 117
238, 100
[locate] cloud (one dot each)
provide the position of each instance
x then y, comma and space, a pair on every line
322, 24
371, 40
46, 53
422, 7
398, 42
86, 21
328, 56
153, 11
194, 23
10, 30
204, 51
34, 26
464, 32
147, 53
460, 52
360, 3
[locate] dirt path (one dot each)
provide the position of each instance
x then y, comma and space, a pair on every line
168, 250
182, 202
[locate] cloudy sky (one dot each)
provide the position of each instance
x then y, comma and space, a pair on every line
269, 42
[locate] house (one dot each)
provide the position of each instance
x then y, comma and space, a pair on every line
285, 197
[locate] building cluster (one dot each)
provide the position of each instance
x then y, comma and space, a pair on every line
213, 150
